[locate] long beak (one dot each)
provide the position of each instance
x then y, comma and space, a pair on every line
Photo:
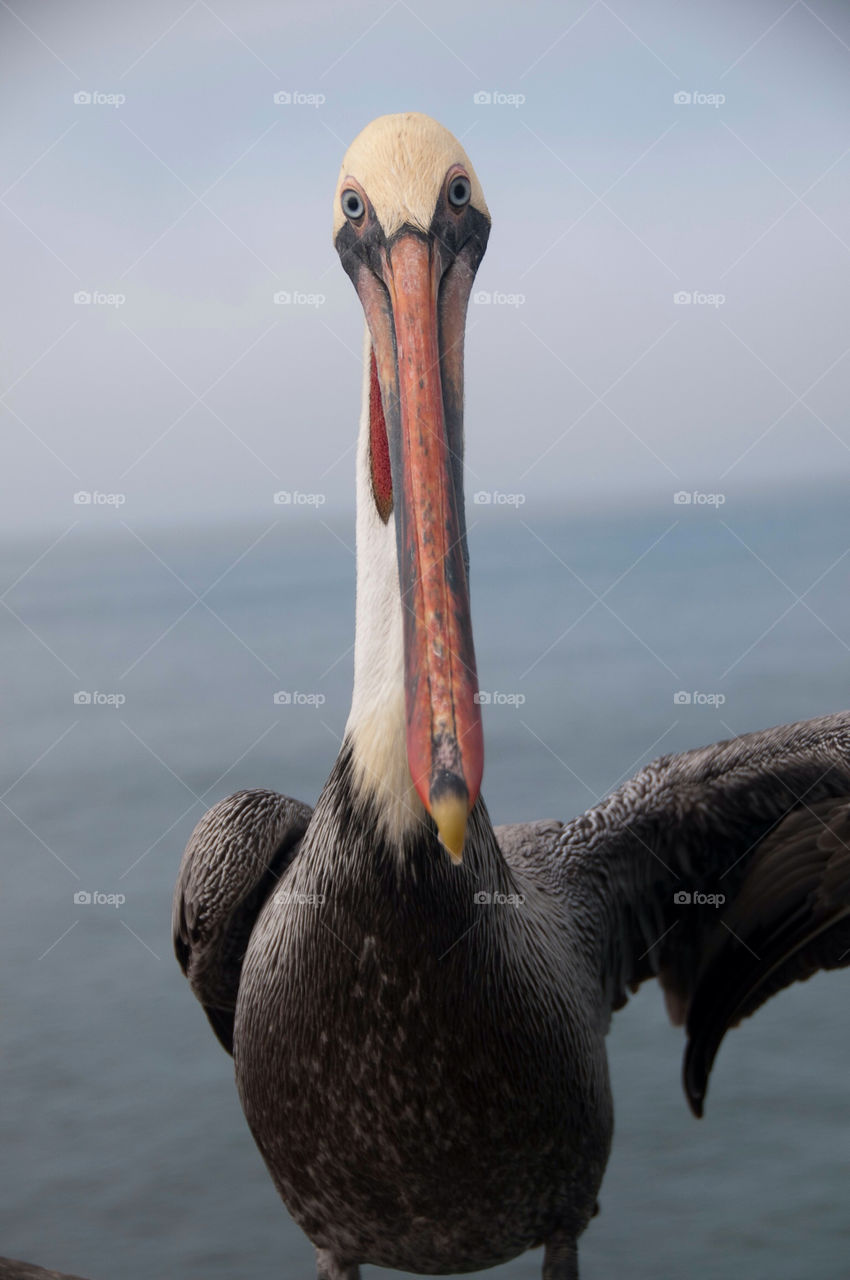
408, 323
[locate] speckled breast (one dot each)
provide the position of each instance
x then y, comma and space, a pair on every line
419, 1106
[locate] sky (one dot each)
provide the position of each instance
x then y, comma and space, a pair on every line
632, 155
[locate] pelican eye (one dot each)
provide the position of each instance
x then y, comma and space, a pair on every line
460, 190
352, 205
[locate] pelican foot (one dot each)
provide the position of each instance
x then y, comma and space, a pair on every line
560, 1258
329, 1267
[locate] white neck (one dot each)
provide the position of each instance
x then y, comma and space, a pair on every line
376, 723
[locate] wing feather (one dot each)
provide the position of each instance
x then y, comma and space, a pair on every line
724, 872
788, 919
234, 858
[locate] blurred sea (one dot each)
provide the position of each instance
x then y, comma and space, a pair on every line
125, 1151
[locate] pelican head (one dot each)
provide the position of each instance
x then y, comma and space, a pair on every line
411, 226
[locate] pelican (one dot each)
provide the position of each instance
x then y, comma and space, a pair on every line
417, 1002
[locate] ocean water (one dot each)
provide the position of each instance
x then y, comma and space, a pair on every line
125, 1151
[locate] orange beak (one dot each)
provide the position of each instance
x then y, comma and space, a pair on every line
416, 323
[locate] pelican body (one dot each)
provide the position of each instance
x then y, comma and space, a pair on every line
417, 1002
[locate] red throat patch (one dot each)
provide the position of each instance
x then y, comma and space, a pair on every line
379, 449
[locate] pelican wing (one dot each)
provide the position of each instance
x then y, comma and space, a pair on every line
234, 858
724, 872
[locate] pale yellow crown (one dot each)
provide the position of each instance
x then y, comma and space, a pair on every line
401, 163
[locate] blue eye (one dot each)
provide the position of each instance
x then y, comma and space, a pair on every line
352, 206
460, 190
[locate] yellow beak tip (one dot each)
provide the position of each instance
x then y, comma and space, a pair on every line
450, 814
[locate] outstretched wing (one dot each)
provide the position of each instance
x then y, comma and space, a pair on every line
234, 858
723, 872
